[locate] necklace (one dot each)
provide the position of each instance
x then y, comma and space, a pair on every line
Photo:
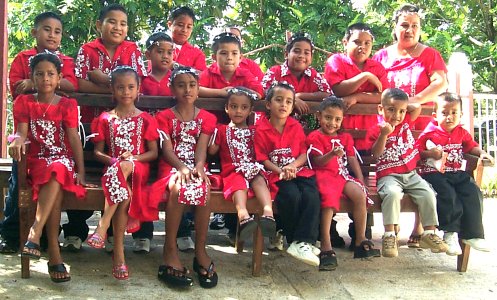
49, 104
125, 115
413, 50
183, 118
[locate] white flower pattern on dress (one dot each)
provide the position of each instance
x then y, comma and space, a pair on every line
241, 146
402, 143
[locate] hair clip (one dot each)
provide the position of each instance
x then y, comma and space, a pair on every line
301, 36
410, 11
157, 37
182, 70
251, 95
120, 68
224, 35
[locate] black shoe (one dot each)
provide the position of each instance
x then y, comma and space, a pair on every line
205, 280
7, 247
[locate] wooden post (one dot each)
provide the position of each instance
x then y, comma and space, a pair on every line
3, 87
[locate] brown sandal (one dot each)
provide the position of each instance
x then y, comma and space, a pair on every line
413, 241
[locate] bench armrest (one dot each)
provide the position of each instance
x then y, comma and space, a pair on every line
475, 166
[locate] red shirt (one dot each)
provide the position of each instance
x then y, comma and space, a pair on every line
310, 82
253, 67
320, 144
212, 78
400, 155
455, 143
150, 85
190, 56
93, 55
19, 69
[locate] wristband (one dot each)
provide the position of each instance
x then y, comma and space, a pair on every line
12, 137
113, 160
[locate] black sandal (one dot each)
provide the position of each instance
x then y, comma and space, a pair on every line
58, 269
268, 226
328, 261
31, 250
247, 227
174, 277
365, 249
207, 280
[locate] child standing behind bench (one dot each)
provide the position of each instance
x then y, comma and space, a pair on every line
459, 200
159, 52
130, 136
280, 146
393, 146
243, 177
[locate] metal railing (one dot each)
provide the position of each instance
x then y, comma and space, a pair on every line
485, 119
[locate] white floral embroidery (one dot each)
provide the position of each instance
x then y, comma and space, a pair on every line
394, 156
241, 147
117, 192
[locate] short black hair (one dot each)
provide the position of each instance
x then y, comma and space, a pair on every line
45, 56
46, 15
299, 37
111, 7
357, 27
178, 70
157, 37
332, 101
393, 94
242, 91
121, 70
225, 38
180, 11
448, 97
276, 85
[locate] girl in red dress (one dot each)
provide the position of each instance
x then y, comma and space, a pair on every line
330, 152
49, 122
186, 131
131, 139
242, 175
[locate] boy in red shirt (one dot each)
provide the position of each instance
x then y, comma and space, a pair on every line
180, 23
247, 63
459, 200
394, 148
226, 72
160, 49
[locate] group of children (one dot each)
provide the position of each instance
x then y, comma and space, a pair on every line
305, 175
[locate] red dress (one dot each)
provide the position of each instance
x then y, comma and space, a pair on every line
340, 67
280, 148
122, 135
238, 164
49, 154
184, 137
412, 75
93, 55
19, 69
332, 177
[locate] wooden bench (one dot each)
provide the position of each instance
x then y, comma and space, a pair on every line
95, 198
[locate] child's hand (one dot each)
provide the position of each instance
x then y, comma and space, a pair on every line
126, 155
16, 148
338, 151
485, 155
435, 153
200, 174
288, 172
301, 106
183, 176
80, 179
375, 81
385, 128
349, 101
99, 77
23, 86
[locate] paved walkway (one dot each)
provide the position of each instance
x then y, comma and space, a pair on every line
415, 274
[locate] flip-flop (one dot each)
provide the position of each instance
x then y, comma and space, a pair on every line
59, 268
96, 241
268, 226
209, 278
328, 261
174, 277
31, 250
247, 227
365, 249
413, 241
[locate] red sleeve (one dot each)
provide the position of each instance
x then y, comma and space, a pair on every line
163, 121
421, 141
151, 133
199, 62
255, 69
348, 143
21, 111
260, 146
468, 143
204, 79
16, 73
269, 77
254, 85
82, 64
436, 63
68, 72
383, 77
333, 70
300, 137
98, 127
71, 111
209, 123
313, 142
221, 130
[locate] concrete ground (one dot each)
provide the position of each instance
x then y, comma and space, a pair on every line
415, 274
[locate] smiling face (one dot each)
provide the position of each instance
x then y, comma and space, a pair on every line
45, 77
300, 56
161, 56
281, 104
114, 27
185, 88
358, 46
330, 120
228, 57
393, 111
181, 29
48, 34
448, 115
408, 30
238, 109
125, 88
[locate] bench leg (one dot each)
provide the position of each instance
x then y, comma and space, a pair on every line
238, 243
257, 252
462, 260
25, 221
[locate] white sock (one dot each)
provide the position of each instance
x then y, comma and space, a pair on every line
389, 233
431, 231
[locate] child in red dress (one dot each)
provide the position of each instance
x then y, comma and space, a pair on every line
280, 146
242, 175
50, 124
330, 152
130, 136
160, 49
180, 23
309, 85
186, 132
